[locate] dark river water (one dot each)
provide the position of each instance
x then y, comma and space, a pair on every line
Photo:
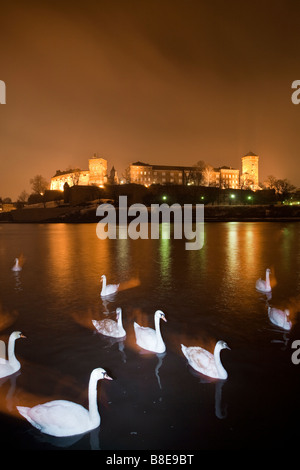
154, 402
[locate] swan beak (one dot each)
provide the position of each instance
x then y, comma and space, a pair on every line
105, 376
22, 336
164, 319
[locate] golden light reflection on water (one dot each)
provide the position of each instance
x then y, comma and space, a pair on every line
165, 253
73, 257
7, 318
243, 245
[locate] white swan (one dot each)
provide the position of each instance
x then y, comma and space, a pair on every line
11, 365
62, 418
148, 338
264, 286
16, 266
205, 362
280, 317
108, 289
110, 327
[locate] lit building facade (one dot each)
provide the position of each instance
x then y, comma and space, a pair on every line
146, 174
96, 175
249, 178
226, 177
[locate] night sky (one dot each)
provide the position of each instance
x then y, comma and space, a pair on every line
164, 82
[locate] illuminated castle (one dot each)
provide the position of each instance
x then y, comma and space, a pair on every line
96, 175
249, 177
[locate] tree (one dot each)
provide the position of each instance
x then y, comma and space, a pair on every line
208, 175
23, 196
246, 182
284, 188
271, 182
39, 184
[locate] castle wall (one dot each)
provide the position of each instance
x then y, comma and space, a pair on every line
96, 175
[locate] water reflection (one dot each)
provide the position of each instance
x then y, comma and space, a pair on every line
160, 358
146, 355
119, 342
9, 396
18, 282
220, 407
65, 442
165, 253
206, 293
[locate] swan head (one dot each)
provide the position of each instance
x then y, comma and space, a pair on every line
17, 334
160, 314
100, 373
103, 277
268, 270
222, 345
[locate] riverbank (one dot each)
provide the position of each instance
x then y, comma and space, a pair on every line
87, 213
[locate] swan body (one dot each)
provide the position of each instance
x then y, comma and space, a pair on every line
205, 362
149, 338
280, 317
264, 286
16, 266
110, 327
62, 418
11, 365
108, 289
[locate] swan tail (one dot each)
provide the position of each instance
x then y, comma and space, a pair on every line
183, 348
96, 324
23, 410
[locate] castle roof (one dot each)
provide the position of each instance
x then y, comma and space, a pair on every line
250, 154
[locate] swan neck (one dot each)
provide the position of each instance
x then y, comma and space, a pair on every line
220, 368
93, 407
157, 328
11, 351
120, 320
268, 279
103, 284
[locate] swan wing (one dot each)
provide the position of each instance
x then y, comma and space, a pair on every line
6, 369
201, 360
58, 417
107, 327
110, 289
145, 336
278, 318
261, 285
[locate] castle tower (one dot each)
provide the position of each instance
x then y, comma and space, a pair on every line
97, 171
249, 176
